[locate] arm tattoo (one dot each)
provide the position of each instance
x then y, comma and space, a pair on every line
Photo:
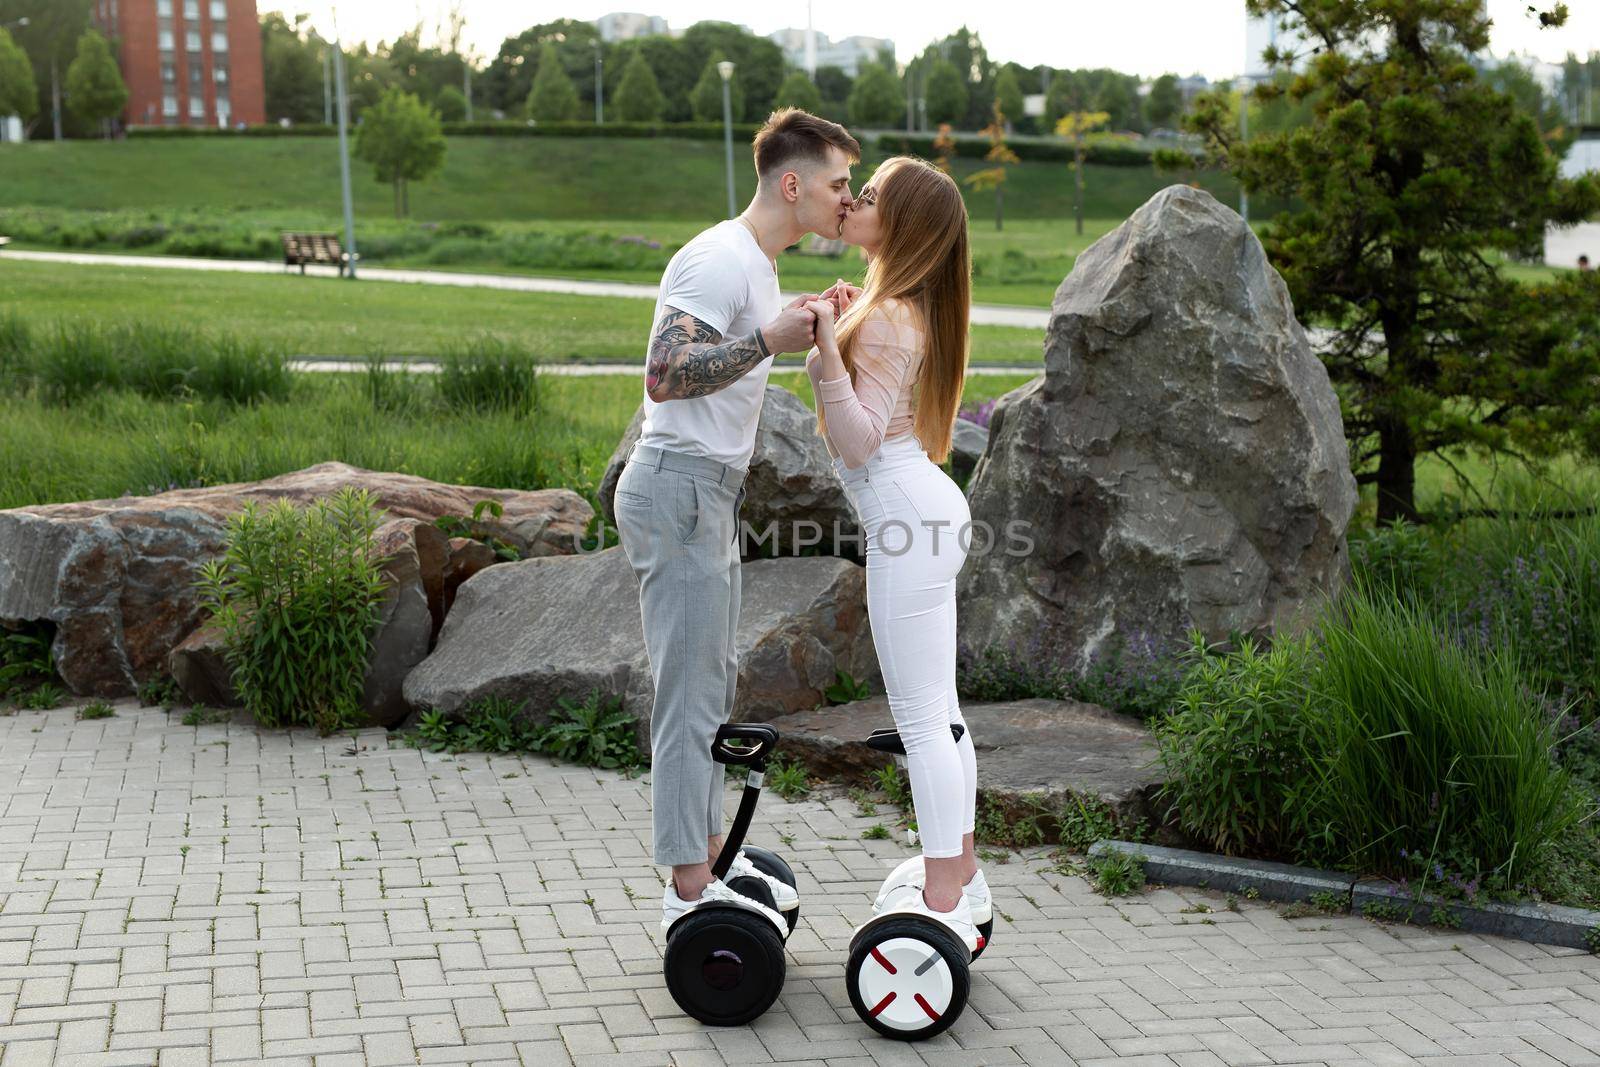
688, 358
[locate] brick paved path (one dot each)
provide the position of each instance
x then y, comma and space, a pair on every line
174, 894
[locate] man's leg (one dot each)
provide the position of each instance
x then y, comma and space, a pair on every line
731, 665
691, 691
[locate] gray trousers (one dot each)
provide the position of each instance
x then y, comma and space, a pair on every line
678, 518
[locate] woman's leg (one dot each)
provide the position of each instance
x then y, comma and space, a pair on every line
911, 605
969, 760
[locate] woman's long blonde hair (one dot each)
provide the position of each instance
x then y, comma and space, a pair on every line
923, 261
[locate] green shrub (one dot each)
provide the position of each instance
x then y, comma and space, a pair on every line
1116, 873
597, 733
1400, 558
487, 375
1432, 748
296, 595
1240, 750
25, 658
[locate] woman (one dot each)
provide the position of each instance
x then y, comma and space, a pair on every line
908, 328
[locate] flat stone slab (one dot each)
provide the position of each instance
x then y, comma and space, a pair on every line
1231, 874
1029, 751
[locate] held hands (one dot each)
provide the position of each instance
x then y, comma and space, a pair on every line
823, 311
841, 294
793, 329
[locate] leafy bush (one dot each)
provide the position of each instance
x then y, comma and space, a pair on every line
296, 595
25, 658
1240, 750
598, 733
1399, 558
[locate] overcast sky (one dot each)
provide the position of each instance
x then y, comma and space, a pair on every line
1146, 37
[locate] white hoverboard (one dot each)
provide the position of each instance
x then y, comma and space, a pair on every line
907, 972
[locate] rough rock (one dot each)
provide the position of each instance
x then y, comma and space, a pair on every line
117, 576
414, 554
1029, 752
201, 670
790, 480
538, 630
1180, 464
967, 442
468, 556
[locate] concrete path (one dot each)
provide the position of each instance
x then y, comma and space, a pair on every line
982, 314
176, 894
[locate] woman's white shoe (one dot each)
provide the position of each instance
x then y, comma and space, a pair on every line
908, 899
913, 872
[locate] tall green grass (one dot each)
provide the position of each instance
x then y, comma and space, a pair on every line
1432, 747
67, 361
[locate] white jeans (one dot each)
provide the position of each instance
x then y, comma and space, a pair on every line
913, 520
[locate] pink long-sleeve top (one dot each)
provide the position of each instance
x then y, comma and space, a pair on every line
877, 406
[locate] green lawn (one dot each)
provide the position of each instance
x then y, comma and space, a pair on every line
116, 442
329, 317
483, 178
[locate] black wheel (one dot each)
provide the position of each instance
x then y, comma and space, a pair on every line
771, 863
985, 930
907, 977
724, 965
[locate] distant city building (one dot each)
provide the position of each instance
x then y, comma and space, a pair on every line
626, 25
1583, 157
1192, 86
848, 54
187, 62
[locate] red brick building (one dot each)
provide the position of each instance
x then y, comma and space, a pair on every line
187, 62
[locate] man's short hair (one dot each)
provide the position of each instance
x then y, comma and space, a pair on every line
791, 135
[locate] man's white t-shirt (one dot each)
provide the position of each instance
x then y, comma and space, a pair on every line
725, 280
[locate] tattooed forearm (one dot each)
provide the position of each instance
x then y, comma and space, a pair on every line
688, 358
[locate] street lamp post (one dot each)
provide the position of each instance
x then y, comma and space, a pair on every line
1245, 85
344, 155
725, 68
599, 87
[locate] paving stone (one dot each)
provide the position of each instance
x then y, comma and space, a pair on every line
325, 966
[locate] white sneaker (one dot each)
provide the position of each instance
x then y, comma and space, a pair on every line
912, 872
977, 891
782, 892
908, 899
716, 891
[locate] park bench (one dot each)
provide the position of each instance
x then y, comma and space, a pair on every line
3, 242
831, 247
302, 248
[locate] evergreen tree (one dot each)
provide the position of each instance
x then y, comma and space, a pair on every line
706, 99
1412, 179
639, 98
19, 95
946, 93
95, 89
876, 99
1165, 103
797, 91
553, 98
1008, 95
451, 104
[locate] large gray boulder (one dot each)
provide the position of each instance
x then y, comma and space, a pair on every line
790, 480
1181, 463
543, 629
967, 442
117, 577
1031, 753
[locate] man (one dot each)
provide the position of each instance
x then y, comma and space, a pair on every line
718, 322
1583, 263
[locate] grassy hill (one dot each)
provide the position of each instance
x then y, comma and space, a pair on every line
487, 178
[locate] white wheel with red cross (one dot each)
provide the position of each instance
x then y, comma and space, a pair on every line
907, 977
